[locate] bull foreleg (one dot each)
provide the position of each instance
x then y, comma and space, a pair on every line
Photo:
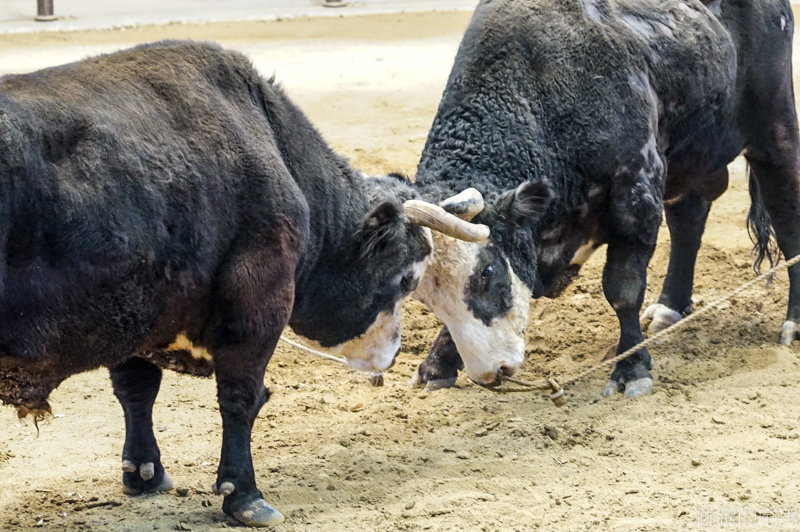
241, 394
253, 305
440, 367
624, 282
136, 383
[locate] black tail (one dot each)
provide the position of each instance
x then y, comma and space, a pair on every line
759, 227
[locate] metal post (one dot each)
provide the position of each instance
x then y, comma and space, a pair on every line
44, 11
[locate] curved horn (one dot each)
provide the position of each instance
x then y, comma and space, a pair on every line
432, 216
466, 204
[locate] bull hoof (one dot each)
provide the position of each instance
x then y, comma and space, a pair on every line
631, 379
662, 317
638, 388
631, 389
376, 379
790, 332
147, 471
417, 381
611, 388
258, 513
440, 384
144, 484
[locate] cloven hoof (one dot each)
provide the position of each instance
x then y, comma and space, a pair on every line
258, 513
166, 485
637, 388
436, 384
147, 471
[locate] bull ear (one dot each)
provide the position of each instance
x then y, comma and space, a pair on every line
531, 199
381, 226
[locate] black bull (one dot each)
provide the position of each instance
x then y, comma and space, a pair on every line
580, 121
169, 191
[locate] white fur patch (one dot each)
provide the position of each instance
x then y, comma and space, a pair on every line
552, 254
584, 253
590, 8
643, 27
484, 349
595, 190
690, 10
372, 351
182, 343
375, 350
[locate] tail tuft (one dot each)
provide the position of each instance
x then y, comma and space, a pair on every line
759, 227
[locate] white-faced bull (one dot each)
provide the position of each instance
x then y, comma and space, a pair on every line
166, 202
580, 121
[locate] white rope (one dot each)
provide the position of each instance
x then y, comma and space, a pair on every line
326, 356
375, 377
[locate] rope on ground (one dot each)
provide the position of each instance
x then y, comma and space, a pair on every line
556, 387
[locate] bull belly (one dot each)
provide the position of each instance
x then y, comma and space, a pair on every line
181, 356
701, 154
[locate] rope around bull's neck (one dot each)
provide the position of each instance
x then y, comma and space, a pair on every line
549, 386
326, 356
554, 385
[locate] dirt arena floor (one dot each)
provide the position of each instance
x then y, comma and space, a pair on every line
716, 444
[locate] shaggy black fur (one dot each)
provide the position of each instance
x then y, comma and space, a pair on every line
170, 189
617, 107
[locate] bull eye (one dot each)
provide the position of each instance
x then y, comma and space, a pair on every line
487, 273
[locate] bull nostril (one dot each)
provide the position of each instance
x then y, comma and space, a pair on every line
505, 371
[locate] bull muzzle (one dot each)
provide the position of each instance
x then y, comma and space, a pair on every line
493, 380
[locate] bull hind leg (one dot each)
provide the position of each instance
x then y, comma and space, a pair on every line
136, 383
686, 219
440, 368
777, 187
769, 121
253, 305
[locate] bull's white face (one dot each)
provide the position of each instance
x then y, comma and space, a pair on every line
376, 349
473, 291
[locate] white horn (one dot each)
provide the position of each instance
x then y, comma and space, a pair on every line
466, 204
434, 217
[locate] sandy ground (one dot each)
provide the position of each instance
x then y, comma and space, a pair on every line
716, 444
